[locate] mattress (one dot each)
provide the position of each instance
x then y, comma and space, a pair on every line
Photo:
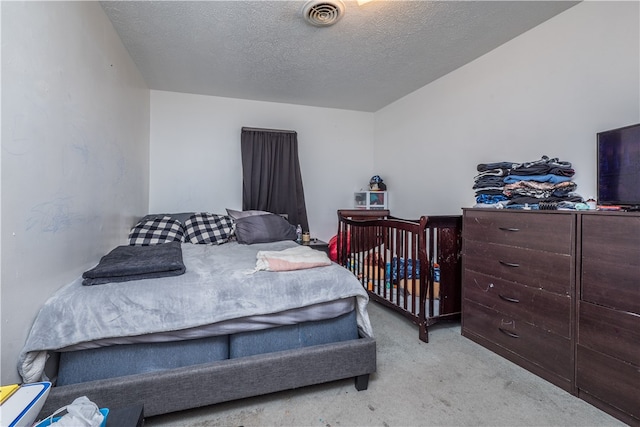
327, 310
120, 360
342, 328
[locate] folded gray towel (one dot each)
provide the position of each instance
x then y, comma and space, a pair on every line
126, 263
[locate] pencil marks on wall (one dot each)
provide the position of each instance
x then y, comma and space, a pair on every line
18, 142
53, 216
82, 150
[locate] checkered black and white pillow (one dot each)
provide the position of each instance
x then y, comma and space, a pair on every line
156, 231
206, 228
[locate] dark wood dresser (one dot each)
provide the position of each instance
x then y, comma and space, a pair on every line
558, 293
518, 288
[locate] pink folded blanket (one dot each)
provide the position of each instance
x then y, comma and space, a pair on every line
297, 258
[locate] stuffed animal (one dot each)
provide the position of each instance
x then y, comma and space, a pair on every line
376, 184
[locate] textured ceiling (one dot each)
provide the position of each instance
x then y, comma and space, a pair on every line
264, 50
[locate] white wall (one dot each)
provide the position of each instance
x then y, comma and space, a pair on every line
75, 153
196, 162
546, 92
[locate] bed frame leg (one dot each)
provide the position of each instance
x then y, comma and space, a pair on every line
362, 382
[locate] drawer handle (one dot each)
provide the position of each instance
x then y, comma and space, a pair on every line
509, 299
509, 229
509, 264
509, 333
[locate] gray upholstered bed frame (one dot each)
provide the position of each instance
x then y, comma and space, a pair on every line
176, 389
221, 381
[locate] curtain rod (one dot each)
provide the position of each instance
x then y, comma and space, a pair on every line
267, 130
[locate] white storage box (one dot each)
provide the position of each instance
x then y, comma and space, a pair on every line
371, 200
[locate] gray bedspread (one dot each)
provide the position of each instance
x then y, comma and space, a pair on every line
126, 263
220, 283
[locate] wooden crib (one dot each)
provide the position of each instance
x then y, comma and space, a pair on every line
410, 266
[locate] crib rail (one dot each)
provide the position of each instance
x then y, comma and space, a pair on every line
410, 266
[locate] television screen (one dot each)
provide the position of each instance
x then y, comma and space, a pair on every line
619, 166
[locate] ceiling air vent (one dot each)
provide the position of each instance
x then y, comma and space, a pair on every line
323, 13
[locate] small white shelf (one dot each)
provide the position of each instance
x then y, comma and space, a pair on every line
371, 200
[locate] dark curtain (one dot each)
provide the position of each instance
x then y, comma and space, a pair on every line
271, 177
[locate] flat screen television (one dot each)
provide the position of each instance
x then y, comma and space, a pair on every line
619, 167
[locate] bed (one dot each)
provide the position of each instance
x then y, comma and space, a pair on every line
410, 266
227, 327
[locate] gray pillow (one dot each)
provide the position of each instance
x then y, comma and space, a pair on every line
242, 214
264, 229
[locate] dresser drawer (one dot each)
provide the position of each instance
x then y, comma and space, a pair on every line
547, 350
545, 270
614, 239
543, 232
609, 285
611, 261
609, 379
546, 310
611, 332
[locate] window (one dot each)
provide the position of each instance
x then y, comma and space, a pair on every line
271, 176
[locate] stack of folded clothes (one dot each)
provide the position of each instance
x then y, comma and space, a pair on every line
540, 184
489, 183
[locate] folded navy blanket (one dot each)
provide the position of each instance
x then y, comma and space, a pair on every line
126, 263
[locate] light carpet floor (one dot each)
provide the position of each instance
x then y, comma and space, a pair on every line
450, 381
